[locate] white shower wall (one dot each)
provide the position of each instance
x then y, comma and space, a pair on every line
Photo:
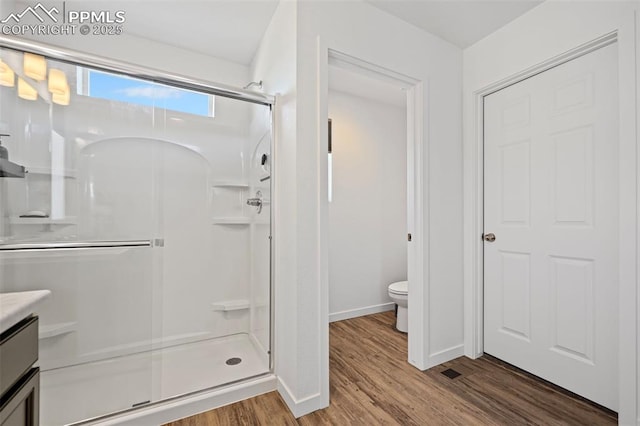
368, 210
134, 173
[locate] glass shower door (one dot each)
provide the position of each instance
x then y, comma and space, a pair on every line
214, 316
146, 209
79, 222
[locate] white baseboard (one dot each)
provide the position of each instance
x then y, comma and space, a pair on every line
367, 310
191, 405
300, 407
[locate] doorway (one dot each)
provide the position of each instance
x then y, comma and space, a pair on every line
413, 91
551, 225
367, 192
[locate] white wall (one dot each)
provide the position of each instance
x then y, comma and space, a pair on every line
275, 64
368, 211
362, 31
6, 7
546, 31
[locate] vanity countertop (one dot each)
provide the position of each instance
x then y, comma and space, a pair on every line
16, 306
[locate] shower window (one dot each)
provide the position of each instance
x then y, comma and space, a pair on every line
150, 224
98, 84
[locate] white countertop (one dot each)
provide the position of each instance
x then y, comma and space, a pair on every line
16, 306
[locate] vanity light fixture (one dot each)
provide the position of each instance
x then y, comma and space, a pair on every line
59, 87
7, 76
61, 98
34, 66
25, 91
57, 82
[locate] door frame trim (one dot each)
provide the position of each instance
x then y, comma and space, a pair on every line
474, 200
474, 346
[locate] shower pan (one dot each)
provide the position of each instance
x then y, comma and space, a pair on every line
136, 209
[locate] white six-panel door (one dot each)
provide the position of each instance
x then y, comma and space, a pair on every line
551, 199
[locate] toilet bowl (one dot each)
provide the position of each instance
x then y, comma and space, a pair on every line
398, 292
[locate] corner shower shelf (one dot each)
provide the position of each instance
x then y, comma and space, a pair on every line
230, 305
231, 220
10, 170
65, 221
230, 184
52, 330
44, 171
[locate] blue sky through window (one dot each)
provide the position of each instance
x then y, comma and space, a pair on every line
129, 90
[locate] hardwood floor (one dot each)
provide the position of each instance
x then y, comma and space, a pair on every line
371, 383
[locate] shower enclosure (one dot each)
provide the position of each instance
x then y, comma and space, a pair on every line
142, 201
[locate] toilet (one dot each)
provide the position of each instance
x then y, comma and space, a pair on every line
398, 292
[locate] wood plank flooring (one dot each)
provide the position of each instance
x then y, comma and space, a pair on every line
371, 384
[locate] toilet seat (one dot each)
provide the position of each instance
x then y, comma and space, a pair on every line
400, 288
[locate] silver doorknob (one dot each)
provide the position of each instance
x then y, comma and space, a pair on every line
489, 237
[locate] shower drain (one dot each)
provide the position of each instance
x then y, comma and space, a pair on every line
234, 361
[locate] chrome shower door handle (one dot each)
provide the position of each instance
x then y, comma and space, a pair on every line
255, 202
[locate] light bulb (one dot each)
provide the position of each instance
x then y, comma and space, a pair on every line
7, 76
25, 91
35, 66
57, 81
61, 98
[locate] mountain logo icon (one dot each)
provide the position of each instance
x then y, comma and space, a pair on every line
38, 11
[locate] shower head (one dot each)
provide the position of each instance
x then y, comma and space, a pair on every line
257, 84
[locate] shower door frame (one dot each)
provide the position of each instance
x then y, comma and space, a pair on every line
136, 71
184, 82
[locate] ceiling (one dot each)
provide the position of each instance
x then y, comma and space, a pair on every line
228, 29
233, 29
462, 22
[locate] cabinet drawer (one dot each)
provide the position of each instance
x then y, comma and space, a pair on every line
18, 351
21, 405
